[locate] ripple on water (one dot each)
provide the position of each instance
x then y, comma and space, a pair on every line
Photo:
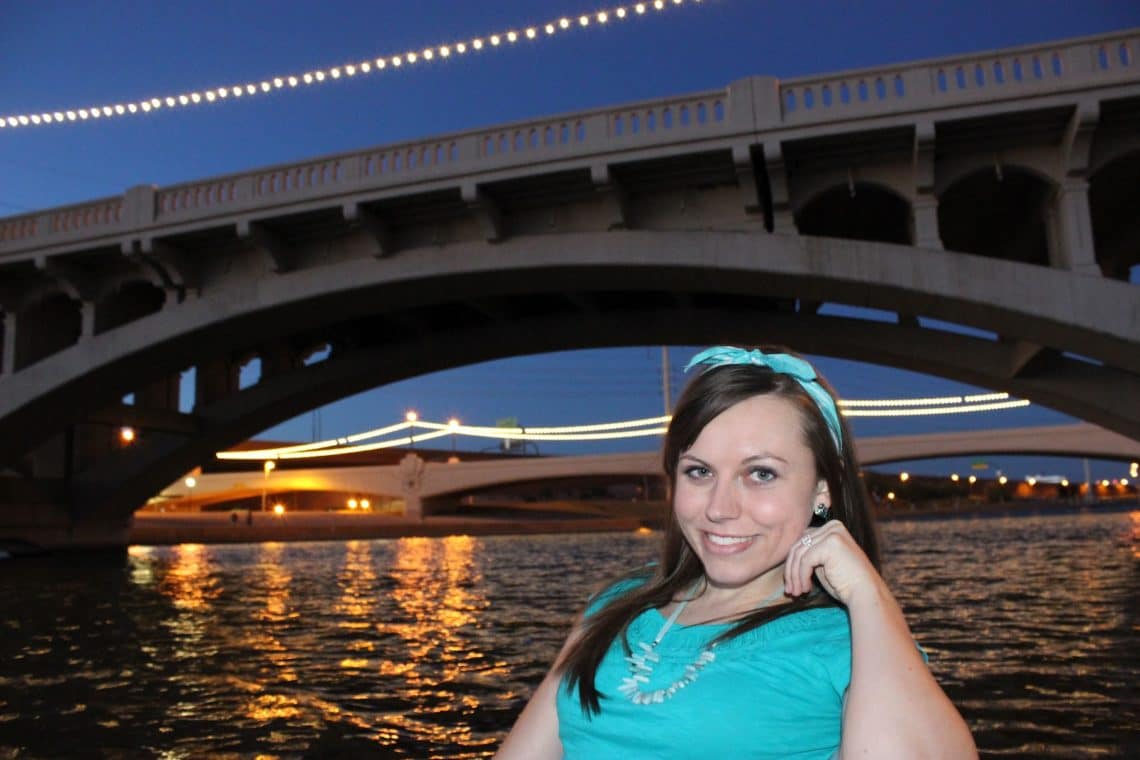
429, 647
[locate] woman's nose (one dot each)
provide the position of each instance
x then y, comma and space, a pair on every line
723, 503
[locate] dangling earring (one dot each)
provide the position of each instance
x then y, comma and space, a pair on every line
821, 511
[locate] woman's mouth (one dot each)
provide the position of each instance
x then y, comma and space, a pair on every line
728, 543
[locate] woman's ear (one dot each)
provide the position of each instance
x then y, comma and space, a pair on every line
821, 507
822, 493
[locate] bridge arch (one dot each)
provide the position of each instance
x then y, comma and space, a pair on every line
125, 301
999, 212
1114, 197
59, 321
433, 309
857, 211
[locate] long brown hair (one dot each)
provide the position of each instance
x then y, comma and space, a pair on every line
679, 569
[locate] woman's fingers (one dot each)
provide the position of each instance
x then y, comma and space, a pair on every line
832, 556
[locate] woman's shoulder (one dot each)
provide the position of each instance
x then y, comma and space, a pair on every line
618, 588
807, 628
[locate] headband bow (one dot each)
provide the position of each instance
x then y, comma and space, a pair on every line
784, 364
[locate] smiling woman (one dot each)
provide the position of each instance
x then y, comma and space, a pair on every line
765, 630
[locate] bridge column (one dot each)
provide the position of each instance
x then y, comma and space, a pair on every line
87, 320
924, 209
35, 516
8, 358
924, 222
782, 221
161, 394
1070, 229
411, 486
277, 359
214, 380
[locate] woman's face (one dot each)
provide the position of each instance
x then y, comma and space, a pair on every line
745, 491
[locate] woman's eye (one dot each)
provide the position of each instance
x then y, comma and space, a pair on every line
762, 474
697, 472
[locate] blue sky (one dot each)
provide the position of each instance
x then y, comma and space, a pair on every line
57, 54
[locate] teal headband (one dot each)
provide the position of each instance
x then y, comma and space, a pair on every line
784, 364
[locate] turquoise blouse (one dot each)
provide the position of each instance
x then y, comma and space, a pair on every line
774, 692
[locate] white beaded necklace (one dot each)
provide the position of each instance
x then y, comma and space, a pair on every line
640, 668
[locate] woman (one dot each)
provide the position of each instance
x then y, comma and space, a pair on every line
765, 631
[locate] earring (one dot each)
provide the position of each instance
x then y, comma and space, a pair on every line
821, 510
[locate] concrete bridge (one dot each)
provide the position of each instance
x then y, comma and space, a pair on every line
985, 203
418, 483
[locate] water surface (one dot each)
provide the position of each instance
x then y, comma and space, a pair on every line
428, 647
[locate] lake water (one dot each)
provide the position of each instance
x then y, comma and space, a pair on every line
427, 648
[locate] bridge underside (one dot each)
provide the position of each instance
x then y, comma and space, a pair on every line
532, 296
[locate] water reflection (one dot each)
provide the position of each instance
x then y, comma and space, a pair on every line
438, 594
427, 647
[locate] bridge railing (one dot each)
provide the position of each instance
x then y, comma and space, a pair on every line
961, 80
1067, 65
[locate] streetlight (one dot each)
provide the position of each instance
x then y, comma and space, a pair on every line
190, 482
268, 467
453, 425
127, 435
411, 417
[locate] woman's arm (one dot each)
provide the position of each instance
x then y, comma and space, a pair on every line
894, 708
535, 733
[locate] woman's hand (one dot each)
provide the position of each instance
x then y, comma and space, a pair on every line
831, 554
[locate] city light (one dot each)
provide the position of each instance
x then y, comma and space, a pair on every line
904, 476
127, 435
278, 509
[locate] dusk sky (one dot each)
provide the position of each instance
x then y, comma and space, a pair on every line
57, 55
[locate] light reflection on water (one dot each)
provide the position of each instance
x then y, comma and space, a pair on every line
428, 647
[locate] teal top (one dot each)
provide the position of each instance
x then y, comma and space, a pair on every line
774, 692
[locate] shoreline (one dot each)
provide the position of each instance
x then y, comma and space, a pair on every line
218, 528
167, 529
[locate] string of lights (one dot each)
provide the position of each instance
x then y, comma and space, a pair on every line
373, 66
644, 427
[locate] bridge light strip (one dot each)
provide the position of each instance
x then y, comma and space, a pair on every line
648, 426
933, 401
390, 443
443, 51
963, 409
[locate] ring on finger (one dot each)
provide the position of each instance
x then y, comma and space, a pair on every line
806, 540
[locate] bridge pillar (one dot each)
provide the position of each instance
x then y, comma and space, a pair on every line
278, 359
87, 319
215, 380
782, 221
8, 358
29, 523
1070, 230
411, 486
924, 220
161, 394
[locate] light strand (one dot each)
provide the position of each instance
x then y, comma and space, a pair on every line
645, 427
232, 92
963, 409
